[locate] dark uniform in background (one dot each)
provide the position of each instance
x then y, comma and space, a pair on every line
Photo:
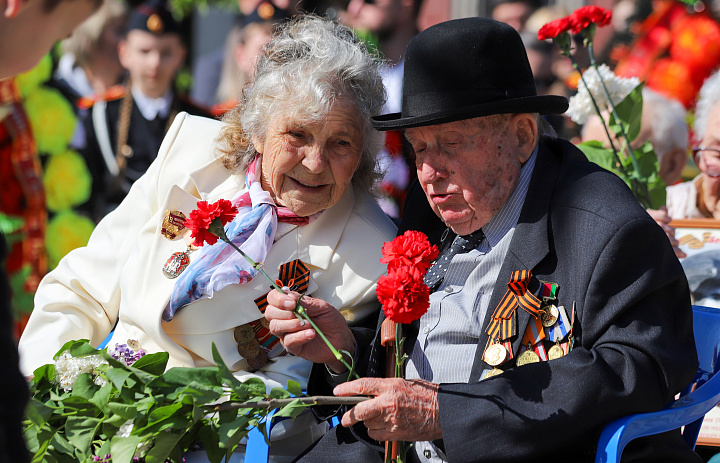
122, 143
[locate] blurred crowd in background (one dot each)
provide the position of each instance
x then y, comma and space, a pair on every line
77, 130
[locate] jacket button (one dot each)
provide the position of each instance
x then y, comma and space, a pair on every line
427, 454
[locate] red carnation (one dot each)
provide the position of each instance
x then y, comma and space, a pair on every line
411, 249
403, 297
554, 28
591, 14
206, 215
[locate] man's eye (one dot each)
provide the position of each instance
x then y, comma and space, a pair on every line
343, 143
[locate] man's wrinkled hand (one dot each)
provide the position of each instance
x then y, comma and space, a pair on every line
401, 410
301, 339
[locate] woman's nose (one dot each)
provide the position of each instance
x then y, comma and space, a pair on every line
315, 159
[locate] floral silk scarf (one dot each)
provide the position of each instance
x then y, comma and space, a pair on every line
252, 230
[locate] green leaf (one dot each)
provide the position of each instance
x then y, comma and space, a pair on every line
229, 435
80, 431
118, 376
279, 393
256, 385
225, 372
292, 410
85, 387
294, 388
629, 112
125, 411
37, 412
123, 449
77, 348
152, 363
211, 441
604, 157
165, 442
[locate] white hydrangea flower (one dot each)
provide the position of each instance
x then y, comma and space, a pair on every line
581, 106
68, 368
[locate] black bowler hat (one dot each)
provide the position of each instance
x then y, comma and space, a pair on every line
466, 68
153, 17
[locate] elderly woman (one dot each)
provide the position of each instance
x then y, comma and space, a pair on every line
302, 142
700, 197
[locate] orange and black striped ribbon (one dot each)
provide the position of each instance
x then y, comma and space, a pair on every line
503, 323
296, 276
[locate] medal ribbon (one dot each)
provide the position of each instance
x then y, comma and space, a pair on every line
296, 276
503, 323
534, 334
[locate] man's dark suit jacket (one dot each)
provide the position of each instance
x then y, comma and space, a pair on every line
581, 228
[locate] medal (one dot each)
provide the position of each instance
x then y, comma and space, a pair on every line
549, 316
173, 224
495, 355
249, 350
555, 352
177, 263
529, 356
258, 361
493, 372
243, 334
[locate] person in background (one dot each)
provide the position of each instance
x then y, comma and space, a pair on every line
663, 124
514, 13
394, 23
242, 50
487, 378
126, 125
700, 197
90, 64
28, 29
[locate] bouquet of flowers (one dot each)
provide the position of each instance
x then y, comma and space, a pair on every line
602, 91
121, 405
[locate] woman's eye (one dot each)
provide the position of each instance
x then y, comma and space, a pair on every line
296, 134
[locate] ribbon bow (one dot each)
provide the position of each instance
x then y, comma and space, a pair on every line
503, 324
296, 276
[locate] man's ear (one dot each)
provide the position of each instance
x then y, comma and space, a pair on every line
526, 129
13, 7
672, 165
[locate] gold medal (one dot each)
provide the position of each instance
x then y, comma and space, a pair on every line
529, 356
243, 334
495, 355
173, 224
555, 352
249, 350
177, 263
493, 372
549, 316
259, 360
265, 323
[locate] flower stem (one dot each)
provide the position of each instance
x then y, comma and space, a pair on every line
599, 113
300, 311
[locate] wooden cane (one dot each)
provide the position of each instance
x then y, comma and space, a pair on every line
387, 339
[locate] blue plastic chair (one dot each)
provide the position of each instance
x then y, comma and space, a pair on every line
689, 410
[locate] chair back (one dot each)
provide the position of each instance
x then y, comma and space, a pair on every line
688, 410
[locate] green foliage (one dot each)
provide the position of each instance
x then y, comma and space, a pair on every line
142, 410
640, 173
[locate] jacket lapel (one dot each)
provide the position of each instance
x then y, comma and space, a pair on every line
528, 247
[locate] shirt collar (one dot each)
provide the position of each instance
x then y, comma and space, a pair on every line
150, 108
507, 218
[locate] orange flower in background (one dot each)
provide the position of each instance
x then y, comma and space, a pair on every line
696, 41
675, 79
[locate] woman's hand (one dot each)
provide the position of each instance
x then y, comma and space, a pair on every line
302, 340
401, 410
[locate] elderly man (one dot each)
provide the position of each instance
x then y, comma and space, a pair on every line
604, 328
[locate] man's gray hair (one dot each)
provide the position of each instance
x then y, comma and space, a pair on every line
709, 97
309, 64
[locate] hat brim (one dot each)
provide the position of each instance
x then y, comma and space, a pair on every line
543, 104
